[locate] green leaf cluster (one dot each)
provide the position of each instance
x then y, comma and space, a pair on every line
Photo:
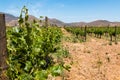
30, 48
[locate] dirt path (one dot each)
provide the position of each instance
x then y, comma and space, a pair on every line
93, 60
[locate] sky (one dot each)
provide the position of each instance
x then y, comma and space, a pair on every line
66, 10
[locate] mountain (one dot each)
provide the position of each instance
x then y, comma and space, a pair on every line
31, 18
115, 23
95, 23
9, 17
56, 22
99, 23
13, 21
76, 24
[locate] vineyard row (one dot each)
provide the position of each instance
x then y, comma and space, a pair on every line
95, 31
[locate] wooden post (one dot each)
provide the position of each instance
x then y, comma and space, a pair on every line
3, 48
46, 21
115, 34
85, 33
108, 30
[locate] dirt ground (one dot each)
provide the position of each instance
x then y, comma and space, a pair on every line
92, 60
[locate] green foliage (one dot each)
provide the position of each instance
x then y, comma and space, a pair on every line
80, 32
56, 70
41, 75
30, 48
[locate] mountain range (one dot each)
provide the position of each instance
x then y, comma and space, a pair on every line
11, 20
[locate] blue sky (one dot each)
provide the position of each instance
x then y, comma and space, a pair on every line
66, 10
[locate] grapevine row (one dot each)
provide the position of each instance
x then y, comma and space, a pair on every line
33, 51
95, 31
